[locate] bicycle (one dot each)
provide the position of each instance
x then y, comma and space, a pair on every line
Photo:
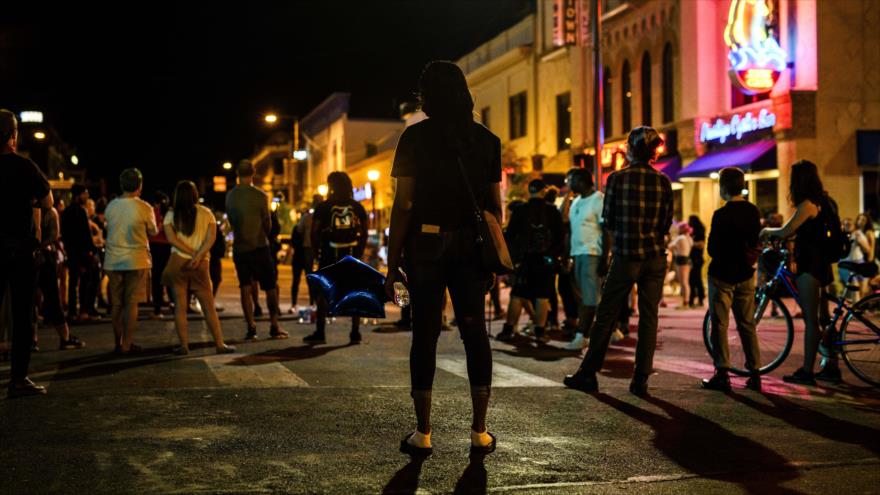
857, 340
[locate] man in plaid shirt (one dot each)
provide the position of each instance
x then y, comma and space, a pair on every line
638, 213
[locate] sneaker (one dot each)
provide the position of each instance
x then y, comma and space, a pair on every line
72, 342
181, 351
720, 381
505, 336
156, 316
23, 388
542, 337
276, 333
830, 374
225, 349
617, 336
754, 383
583, 381
355, 337
800, 377
577, 343
315, 338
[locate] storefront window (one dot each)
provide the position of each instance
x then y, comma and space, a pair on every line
871, 193
563, 121
646, 89
766, 196
625, 98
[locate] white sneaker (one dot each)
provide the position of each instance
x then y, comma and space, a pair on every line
617, 336
577, 343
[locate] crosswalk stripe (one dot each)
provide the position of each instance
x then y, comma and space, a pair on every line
502, 375
270, 375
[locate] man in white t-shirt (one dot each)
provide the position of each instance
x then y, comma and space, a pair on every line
130, 223
588, 249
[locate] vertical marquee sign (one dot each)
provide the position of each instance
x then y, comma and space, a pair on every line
751, 35
565, 22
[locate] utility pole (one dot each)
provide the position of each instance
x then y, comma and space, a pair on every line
598, 96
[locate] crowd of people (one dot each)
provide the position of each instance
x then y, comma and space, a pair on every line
606, 255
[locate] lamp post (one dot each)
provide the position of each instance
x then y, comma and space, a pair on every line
373, 176
297, 154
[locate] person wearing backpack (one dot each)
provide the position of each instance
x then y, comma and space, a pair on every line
339, 229
535, 236
819, 242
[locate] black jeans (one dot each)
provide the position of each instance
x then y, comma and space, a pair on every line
436, 262
161, 253
18, 280
568, 294
301, 263
47, 281
80, 277
695, 280
648, 274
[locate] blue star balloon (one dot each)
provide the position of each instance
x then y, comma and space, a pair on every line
351, 288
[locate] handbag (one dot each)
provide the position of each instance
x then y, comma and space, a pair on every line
490, 239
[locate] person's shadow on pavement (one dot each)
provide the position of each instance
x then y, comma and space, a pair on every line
834, 429
709, 450
405, 480
474, 479
296, 353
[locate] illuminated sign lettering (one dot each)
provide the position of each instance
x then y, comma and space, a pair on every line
565, 22
737, 127
756, 59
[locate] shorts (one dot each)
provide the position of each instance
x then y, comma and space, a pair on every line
255, 265
128, 286
533, 279
682, 260
586, 272
177, 274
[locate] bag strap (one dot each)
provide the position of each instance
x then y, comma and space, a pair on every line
477, 211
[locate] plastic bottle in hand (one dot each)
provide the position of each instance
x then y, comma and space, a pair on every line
401, 295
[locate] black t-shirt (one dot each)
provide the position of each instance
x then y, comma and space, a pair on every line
536, 212
735, 229
441, 197
340, 222
23, 185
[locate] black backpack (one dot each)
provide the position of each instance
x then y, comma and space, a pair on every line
538, 236
344, 230
835, 244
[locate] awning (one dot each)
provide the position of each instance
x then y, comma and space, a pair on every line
669, 165
760, 155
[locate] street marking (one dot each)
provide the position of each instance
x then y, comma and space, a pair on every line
502, 375
270, 375
658, 478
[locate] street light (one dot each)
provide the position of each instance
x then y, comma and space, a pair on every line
373, 175
322, 190
40, 135
270, 118
227, 166
74, 159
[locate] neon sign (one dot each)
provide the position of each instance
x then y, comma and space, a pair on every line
737, 127
756, 59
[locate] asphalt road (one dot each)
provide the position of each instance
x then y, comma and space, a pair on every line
283, 417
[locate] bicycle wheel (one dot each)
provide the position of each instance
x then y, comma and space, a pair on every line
860, 339
775, 330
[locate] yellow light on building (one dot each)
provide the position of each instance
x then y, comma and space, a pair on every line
74, 160
40, 135
568, 140
373, 175
714, 176
270, 118
227, 166
322, 189
219, 183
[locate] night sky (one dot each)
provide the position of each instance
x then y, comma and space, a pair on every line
178, 89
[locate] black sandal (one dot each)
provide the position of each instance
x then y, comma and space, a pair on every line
414, 451
488, 449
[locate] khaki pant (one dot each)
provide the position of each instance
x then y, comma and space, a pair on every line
741, 298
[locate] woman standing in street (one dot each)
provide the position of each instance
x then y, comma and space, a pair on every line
191, 230
808, 195
698, 234
681, 250
433, 235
